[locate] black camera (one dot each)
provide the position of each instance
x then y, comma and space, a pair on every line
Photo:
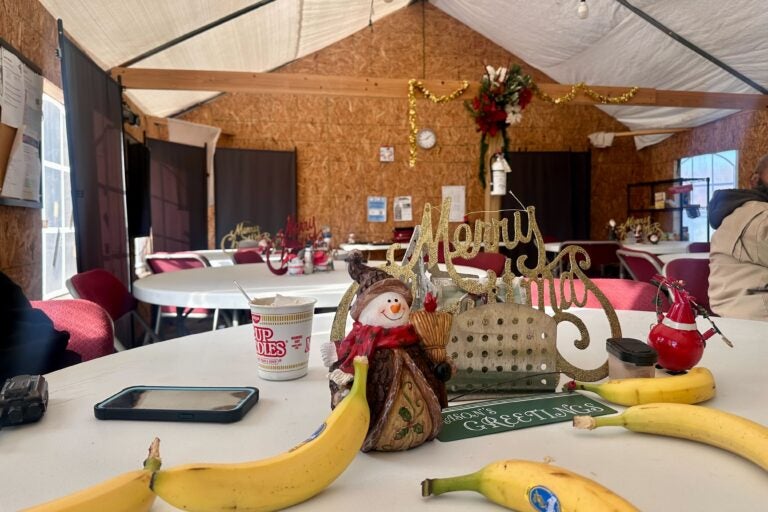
23, 399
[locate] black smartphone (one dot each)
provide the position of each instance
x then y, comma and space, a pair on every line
178, 403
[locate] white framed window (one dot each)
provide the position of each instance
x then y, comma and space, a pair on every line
59, 256
722, 170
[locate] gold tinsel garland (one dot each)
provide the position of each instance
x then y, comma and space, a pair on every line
413, 86
591, 93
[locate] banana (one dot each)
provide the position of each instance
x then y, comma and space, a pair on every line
697, 423
532, 486
128, 492
280, 481
696, 386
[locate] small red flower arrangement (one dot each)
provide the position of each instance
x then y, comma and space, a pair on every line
502, 96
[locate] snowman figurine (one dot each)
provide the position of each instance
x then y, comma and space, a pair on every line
406, 390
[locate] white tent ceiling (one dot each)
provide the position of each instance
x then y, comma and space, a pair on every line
612, 46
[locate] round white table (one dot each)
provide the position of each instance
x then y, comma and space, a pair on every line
666, 258
69, 449
666, 247
214, 288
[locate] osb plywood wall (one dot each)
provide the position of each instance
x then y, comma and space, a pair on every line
29, 28
745, 131
337, 139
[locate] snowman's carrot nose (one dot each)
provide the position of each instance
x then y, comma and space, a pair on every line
394, 308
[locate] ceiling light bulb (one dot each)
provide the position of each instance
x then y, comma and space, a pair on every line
582, 11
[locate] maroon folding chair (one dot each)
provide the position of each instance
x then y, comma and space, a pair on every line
247, 255
698, 247
602, 256
173, 262
90, 329
694, 272
641, 265
484, 261
106, 290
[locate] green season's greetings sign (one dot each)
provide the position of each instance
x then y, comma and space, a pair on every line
491, 417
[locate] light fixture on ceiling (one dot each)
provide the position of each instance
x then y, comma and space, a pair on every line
582, 11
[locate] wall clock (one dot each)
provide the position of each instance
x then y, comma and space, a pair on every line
426, 138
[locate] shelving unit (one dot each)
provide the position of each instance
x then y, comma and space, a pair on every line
662, 186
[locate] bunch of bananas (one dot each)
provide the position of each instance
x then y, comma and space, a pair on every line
270, 484
698, 385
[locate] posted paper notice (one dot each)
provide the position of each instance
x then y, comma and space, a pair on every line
377, 209
457, 194
402, 208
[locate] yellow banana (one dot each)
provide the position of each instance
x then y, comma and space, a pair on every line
532, 486
128, 492
696, 386
280, 481
697, 423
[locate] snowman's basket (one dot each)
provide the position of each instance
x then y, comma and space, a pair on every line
503, 347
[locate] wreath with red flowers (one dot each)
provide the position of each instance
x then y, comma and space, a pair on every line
502, 96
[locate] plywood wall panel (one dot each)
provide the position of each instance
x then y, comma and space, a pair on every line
338, 138
29, 28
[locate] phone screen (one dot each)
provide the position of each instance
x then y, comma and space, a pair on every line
178, 399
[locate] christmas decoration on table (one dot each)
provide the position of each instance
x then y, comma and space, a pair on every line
406, 389
675, 336
417, 85
644, 230
497, 316
302, 248
243, 233
499, 103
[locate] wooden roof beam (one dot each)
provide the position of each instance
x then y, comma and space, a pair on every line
284, 83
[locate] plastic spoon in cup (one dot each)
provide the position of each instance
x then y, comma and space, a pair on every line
242, 291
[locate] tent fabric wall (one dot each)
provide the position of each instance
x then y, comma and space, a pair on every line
177, 196
258, 187
95, 139
612, 46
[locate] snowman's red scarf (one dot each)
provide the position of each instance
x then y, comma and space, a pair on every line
363, 340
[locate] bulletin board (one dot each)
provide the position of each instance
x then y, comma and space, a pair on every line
21, 108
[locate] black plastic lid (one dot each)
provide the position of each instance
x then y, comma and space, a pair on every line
632, 351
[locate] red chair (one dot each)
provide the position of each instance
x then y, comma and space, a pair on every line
621, 293
484, 261
106, 290
694, 272
698, 247
247, 255
641, 265
602, 255
173, 262
90, 329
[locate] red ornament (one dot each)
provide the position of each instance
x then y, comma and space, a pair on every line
675, 337
430, 303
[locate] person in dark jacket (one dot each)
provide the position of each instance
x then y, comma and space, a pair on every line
738, 261
29, 343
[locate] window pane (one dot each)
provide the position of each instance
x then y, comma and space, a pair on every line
64, 147
70, 260
722, 169
686, 168
51, 132
66, 218
52, 197
52, 265
702, 166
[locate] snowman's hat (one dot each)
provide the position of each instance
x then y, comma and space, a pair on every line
372, 283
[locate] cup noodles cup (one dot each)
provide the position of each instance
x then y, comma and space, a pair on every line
282, 329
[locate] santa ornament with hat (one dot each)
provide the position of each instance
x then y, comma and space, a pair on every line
406, 389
